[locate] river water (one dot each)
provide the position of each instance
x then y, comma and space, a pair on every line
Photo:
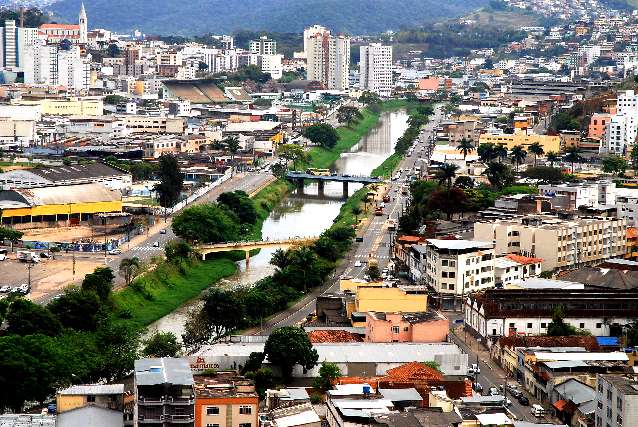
307, 214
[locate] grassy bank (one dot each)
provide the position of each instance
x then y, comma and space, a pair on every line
163, 290
386, 169
346, 217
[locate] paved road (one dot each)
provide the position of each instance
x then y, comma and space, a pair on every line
376, 241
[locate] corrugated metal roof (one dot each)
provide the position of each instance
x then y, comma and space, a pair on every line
165, 370
575, 391
67, 194
400, 394
566, 364
608, 341
93, 389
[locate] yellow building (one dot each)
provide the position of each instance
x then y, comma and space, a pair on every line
351, 285
73, 203
548, 142
106, 396
67, 106
385, 299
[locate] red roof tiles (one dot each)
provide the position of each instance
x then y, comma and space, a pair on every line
413, 371
330, 336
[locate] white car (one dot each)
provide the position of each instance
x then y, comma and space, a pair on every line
5, 289
115, 251
357, 264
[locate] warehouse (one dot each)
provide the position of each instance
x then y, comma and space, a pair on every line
48, 206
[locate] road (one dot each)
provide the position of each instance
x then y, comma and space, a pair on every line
376, 239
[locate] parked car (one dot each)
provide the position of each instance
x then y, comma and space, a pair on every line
357, 264
163, 231
523, 400
511, 389
493, 391
537, 410
115, 251
477, 387
5, 289
156, 244
476, 368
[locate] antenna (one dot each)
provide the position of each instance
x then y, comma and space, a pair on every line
21, 16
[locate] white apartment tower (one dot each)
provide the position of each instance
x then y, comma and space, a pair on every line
84, 26
328, 59
49, 65
312, 31
13, 41
375, 69
621, 131
263, 46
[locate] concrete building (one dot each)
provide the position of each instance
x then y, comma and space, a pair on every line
548, 142
13, 42
53, 66
76, 106
312, 31
617, 401
422, 327
559, 243
570, 197
271, 64
375, 69
627, 205
109, 396
225, 400
328, 59
263, 46
75, 33
598, 125
512, 268
621, 131
506, 312
164, 393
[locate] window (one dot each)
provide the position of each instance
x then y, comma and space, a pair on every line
245, 410
212, 410
582, 325
406, 329
444, 274
245, 425
444, 263
529, 326
619, 403
452, 275
512, 325
599, 325
395, 329
543, 325
90, 398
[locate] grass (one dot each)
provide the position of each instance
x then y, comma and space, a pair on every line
389, 165
346, 217
167, 287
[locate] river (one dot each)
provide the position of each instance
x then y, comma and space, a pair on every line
307, 214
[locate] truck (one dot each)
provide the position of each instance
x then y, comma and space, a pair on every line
27, 256
392, 224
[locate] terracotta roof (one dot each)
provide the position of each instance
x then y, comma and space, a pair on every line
413, 371
60, 26
410, 239
523, 259
632, 233
588, 342
333, 336
560, 405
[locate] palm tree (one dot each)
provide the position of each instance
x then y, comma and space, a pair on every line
501, 152
537, 150
498, 174
446, 173
280, 259
356, 211
552, 157
487, 152
129, 267
232, 146
518, 155
465, 146
572, 155
305, 257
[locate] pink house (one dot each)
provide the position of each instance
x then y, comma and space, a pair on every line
424, 327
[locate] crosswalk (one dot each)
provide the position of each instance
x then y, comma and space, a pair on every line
361, 256
147, 249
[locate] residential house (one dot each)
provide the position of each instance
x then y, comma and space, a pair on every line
428, 326
225, 400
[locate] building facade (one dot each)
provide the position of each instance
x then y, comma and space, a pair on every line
621, 131
375, 69
328, 59
263, 46
617, 401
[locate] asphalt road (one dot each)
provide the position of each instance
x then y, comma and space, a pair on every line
376, 239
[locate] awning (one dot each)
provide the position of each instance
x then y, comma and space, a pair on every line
560, 405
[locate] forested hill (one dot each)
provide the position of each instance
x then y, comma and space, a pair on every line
225, 16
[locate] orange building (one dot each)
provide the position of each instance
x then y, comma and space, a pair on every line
598, 125
225, 400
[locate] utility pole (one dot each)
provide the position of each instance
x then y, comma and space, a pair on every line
29, 267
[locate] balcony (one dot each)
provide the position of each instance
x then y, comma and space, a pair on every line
151, 401
151, 418
181, 400
184, 418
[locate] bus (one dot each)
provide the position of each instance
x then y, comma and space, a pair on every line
318, 172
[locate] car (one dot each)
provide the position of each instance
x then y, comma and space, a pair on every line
163, 231
156, 244
5, 289
494, 391
523, 400
24, 288
358, 239
511, 389
477, 387
357, 264
115, 251
476, 368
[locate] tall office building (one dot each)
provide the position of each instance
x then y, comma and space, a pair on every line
13, 41
263, 46
328, 59
50, 65
375, 69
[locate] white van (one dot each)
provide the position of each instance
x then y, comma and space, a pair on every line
537, 410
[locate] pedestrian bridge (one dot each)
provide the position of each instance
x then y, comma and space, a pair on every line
248, 246
301, 177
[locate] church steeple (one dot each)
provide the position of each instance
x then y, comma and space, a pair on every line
83, 22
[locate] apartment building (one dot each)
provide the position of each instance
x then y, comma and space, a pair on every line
573, 196
494, 313
151, 124
598, 125
164, 393
616, 400
109, 396
328, 58
513, 268
225, 400
621, 131
428, 326
627, 205
548, 142
263, 46
52, 65
453, 268
559, 243
375, 69
13, 42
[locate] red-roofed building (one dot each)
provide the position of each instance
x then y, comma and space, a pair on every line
512, 268
333, 336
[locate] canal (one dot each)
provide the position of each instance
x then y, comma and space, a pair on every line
307, 214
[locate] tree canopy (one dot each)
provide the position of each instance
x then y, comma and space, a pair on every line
171, 181
206, 223
289, 346
322, 134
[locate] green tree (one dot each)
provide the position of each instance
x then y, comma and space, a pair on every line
263, 379
77, 309
537, 150
161, 344
373, 272
240, 204
171, 181
328, 374
207, 223
292, 153
448, 201
231, 146
499, 175
501, 152
572, 155
290, 346
466, 147
113, 50
10, 234
118, 343
129, 268
633, 155
545, 173
615, 165
558, 328
115, 99
349, 115
27, 318
368, 98
552, 157
518, 155
446, 173
100, 282
487, 152
322, 134
356, 211
178, 250
464, 182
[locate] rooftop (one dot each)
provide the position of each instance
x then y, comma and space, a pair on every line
625, 384
224, 385
459, 244
587, 342
333, 336
93, 389
165, 370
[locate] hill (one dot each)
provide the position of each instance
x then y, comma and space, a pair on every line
225, 16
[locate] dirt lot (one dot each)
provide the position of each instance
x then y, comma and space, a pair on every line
67, 234
48, 277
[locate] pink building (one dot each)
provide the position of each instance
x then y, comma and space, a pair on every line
598, 125
423, 327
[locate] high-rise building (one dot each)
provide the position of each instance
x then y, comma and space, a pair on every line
312, 31
272, 65
328, 59
263, 46
13, 41
375, 69
621, 130
53, 66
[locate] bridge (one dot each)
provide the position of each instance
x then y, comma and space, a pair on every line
301, 177
248, 246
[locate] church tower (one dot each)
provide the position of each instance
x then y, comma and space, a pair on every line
84, 30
